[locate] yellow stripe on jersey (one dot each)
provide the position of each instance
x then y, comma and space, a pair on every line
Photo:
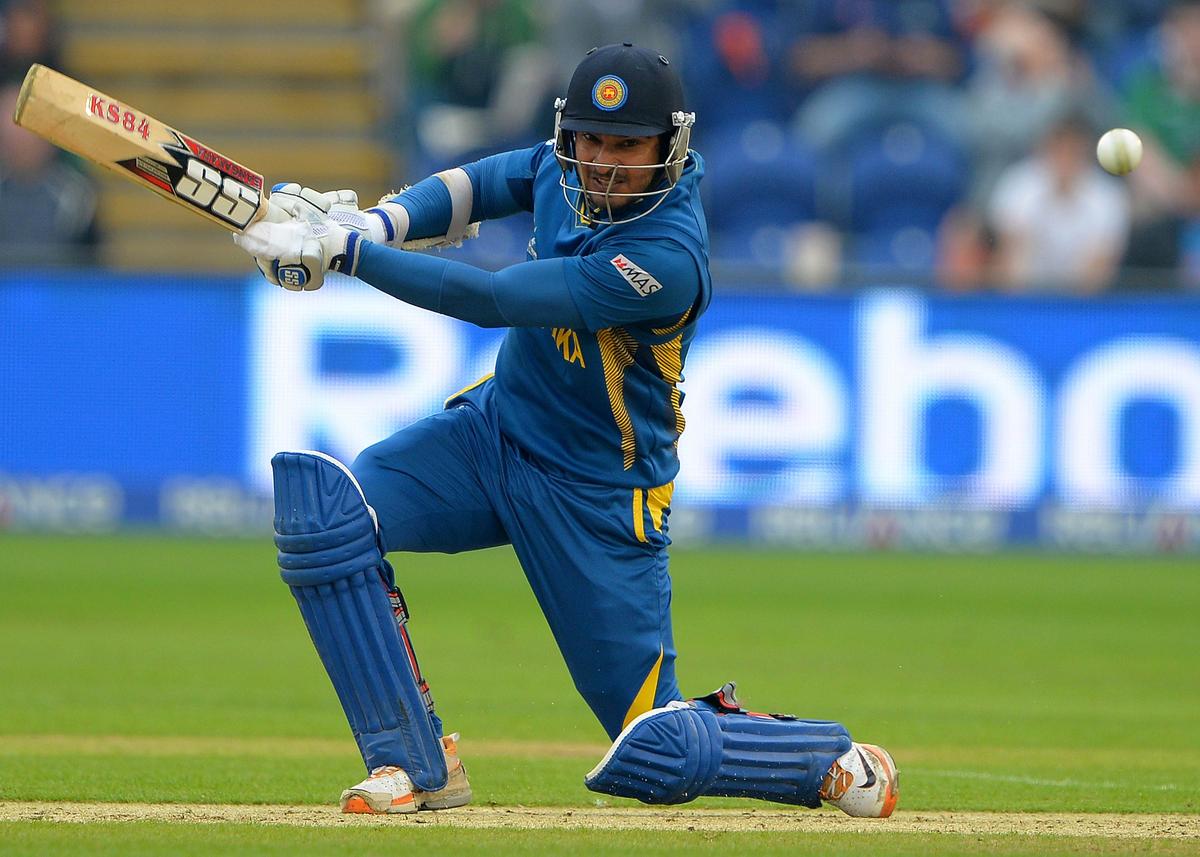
669, 356
675, 328
644, 701
658, 499
616, 354
467, 389
639, 519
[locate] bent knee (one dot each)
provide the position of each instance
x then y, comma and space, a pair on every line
618, 697
369, 463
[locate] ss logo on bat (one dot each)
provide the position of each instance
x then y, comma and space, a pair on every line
218, 194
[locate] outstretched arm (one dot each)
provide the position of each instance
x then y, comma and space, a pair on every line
440, 211
617, 285
623, 282
448, 202
531, 294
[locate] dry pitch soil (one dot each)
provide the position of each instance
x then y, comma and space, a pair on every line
539, 818
1113, 825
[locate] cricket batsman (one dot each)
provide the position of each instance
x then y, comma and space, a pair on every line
567, 452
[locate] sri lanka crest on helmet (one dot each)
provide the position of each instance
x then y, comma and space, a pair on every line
610, 92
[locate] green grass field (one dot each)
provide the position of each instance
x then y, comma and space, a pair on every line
145, 669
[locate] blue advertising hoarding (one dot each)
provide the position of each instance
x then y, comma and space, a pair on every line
880, 418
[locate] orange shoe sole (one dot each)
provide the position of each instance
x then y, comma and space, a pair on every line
893, 795
357, 805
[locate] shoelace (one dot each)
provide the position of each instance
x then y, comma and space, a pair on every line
385, 771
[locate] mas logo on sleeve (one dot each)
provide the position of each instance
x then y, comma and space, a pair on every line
644, 284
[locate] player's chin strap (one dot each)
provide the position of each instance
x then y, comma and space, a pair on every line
632, 206
712, 746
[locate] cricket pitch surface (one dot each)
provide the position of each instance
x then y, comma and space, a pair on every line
1113, 825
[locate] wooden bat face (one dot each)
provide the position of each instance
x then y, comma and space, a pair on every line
123, 139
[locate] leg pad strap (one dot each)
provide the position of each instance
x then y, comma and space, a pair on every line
705, 747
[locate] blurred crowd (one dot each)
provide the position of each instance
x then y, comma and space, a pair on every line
47, 202
948, 142
941, 142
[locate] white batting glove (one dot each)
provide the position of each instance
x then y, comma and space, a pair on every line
296, 254
285, 262
385, 223
340, 206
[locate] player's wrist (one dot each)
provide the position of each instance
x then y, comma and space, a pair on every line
392, 220
344, 248
370, 224
380, 228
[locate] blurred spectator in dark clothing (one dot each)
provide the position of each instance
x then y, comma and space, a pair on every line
1061, 224
478, 78
574, 26
1165, 253
1162, 103
47, 208
1027, 72
735, 65
876, 62
1188, 241
27, 35
1121, 35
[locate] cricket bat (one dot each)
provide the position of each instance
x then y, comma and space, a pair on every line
125, 140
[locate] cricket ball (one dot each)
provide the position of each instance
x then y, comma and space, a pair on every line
1119, 151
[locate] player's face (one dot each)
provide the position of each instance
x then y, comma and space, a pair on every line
617, 159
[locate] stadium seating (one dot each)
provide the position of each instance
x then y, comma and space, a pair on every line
759, 185
226, 72
902, 180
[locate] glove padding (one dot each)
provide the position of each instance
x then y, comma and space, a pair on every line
386, 223
340, 206
296, 254
304, 234
319, 225
300, 201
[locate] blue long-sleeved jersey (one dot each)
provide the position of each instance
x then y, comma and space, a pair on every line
600, 316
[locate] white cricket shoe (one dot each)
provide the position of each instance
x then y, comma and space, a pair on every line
863, 782
389, 790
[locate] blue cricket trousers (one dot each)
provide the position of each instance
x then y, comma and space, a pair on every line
595, 556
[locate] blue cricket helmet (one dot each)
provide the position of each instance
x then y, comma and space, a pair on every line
630, 92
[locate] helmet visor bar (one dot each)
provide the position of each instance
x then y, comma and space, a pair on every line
591, 201
584, 202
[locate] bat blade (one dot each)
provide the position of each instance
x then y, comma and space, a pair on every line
132, 144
